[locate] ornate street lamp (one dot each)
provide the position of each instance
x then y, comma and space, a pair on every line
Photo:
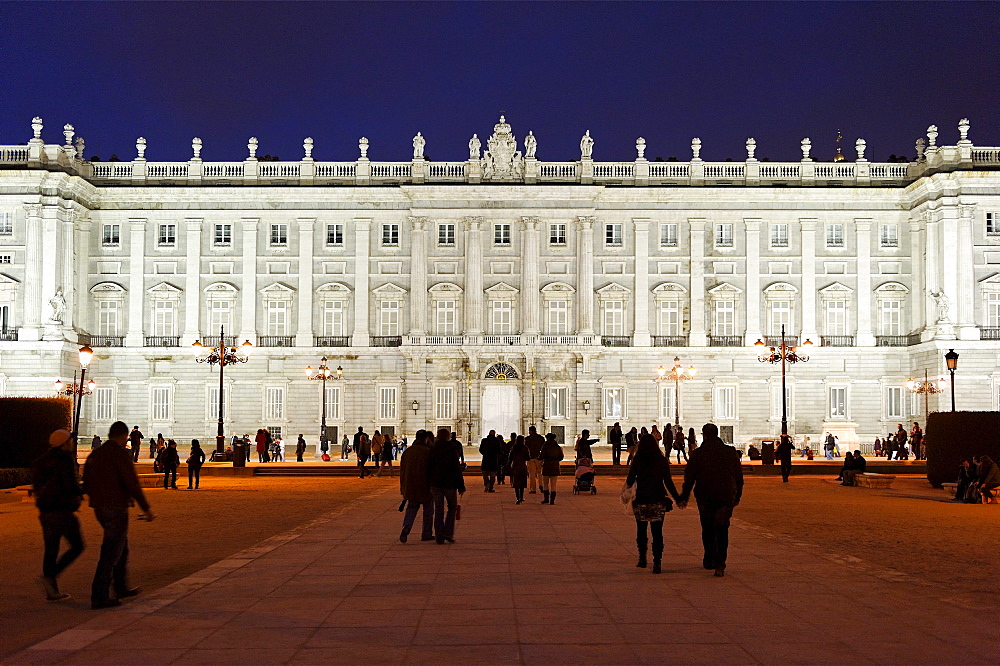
783, 354
925, 388
677, 374
951, 358
78, 389
323, 373
223, 356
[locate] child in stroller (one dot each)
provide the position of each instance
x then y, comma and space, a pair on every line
584, 477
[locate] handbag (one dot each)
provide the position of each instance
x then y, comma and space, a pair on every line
628, 493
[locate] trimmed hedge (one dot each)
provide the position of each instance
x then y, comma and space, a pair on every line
25, 426
954, 436
18, 476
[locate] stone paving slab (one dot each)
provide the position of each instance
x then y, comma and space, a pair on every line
530, 584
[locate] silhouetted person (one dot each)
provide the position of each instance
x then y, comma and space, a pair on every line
783, 454
57, 496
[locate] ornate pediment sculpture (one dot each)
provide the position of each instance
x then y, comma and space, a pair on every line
502, 160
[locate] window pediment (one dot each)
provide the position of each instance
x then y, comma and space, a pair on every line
8, 279
389, 290
990, 283
724, 291
891, 289
501, 290
445, 289
559, 288
781, 289
334, 289
613, 292
222, 289
108, 289
836, 290
164, 291
277, 291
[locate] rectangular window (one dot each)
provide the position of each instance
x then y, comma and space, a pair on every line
888, 235
614, 403
725, 403
557, 234
725, 318
835, 235
838, 402
501, 315
104, 405
444, 403
223, 235
163, 318
836, 317
776, 401
446, 234
993, 309
111, 235
6, 258
167, 235
279, 235
107, 318
670, 318
6, 224
668, 235
723, 235
277, 318
779, 235
501, 234
160, 408
390, 234
212, 404
992, 224
387, 403
614, 318
333, 403
335, 234
220, 313
558, 317
891, 317
388, 317
557, 402
445, 318
274, 403
781, 315
894, 402
333, 317
613, 235
668, 397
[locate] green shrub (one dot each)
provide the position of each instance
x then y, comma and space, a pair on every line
16, 476
25, 426
954, 436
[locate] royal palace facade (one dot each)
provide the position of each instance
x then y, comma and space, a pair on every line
502, 291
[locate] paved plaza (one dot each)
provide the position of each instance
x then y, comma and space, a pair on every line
531, 584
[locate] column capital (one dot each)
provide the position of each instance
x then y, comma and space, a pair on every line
306, 223
863, 224
529, 223
249, 223
641, 223
473, 222
808, 223
752, 223
967, 210
33, 209
916, 224
586, 221
137, 223
417, 223
193, 224
697, 224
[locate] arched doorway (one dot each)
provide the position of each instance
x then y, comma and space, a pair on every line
501, 401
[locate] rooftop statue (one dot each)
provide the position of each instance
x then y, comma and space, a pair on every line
502, 160
530, 145
586, 146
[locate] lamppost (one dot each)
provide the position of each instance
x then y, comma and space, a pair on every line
783, 354
926, 388
78, 389
951, 358
678, 374
223, 356
323, 373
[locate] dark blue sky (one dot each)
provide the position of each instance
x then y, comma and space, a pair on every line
338, 71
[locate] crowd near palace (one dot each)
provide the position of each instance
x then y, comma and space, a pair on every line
502, 290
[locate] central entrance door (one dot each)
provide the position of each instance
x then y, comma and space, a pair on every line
501, 409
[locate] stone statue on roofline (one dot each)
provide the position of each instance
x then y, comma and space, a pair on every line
474, 145
586, 146
530, 145
502, 160
418, 146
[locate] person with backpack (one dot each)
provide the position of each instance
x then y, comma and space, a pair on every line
57, 496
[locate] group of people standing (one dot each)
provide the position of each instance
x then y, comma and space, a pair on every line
430, 478
676, 441
378, 448
530, 461
899, 445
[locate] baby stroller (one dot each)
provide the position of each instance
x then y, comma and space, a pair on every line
584, 477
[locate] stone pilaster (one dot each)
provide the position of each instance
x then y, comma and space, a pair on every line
697, 336
753, 330
192, 282
966, 317
32, 293
918, 278
473, 276
865, 336
362, 240
585, 274
932, 263
418, 276
136, 281
248, 302
808, 227
529, 286
640, 331
50, 270
304, 334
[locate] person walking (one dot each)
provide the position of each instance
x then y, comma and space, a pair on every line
631, 441
650, 469
57, 496
445, 475
489, 448
519, 456
900, 440
716, 476
692, 441
551, 456
582, 448
828, 446
95, 443
362, 449
534, 442
152, 448
111, 485
415, 486
378, 443
454, 442
261, 441
384, 456
679, 445
615, 441
783, 454
169, 461
916, 441
345, 448
657, 436
504, 457
300, 448
194, 463
135, 442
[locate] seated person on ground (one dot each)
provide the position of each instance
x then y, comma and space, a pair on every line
858, 466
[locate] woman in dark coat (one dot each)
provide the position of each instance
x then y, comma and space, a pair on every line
519, 456
692, 440
490, 450
194, 463
650, 474
551, 456
679, 445
631, 442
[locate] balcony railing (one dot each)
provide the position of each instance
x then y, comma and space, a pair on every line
984, 334
9, 335
332, 341
386, 340
103, 340
775, 340
501, 339
616, 340
670, 341
162, 341
213, 341
896, 340
275, 340
725, 341
837, 340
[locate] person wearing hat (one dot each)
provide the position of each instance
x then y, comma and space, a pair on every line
57, 496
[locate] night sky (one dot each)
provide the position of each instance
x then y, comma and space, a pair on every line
338, 71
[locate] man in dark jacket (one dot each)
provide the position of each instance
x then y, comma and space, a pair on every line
615, 440
445, 475
170, 460
715, 473
784, 456
57, 496
415, 487
857, 465
534, 442
135, 441
489, 447
110, 482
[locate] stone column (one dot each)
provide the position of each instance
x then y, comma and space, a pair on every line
753, 330
918, 275
50, 267
66, 273
697, 336
932, 279
81, 245
248, 302
950, 266
418, 276
304, 334
136, 282
865, 336
473, 276
585, 274
967, 329
362, 229
192, 282
529, 285
809, 332
640, 332
32, 293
